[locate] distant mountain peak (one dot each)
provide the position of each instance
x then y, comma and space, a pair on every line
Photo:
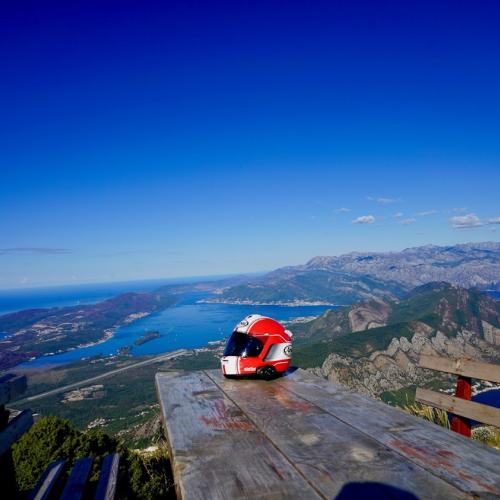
318, 261
361, 275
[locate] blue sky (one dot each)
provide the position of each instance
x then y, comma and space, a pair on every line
150, 140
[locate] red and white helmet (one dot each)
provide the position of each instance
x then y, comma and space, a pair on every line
258, 345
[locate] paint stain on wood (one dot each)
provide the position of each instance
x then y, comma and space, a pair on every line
225, 419
439, 459
289, 401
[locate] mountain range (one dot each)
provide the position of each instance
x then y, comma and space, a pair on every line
356, 276
373, 346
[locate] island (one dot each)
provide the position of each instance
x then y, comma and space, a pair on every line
147, 337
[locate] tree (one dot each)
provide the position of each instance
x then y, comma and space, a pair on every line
52, 438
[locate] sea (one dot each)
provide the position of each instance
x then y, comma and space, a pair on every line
188, 324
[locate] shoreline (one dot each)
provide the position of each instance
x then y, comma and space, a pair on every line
109, 333
486, 389
304, 303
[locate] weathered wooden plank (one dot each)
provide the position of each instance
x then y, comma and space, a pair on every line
330, 453
106, 487
475, 411
47, 481
217, 452
77, 480
468, 465
16, 427
464, 367
11, 386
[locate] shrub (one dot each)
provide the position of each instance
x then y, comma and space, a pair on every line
52, 438
435, 415
484, 434
487, 435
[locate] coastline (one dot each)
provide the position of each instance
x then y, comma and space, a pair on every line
486, 389
296, 303
109, 333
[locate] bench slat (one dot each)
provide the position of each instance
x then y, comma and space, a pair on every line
106, 486
464, 367
15, 429
469, 409
75, 485
47, 481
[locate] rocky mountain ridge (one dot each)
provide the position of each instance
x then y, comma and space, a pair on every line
356, 276
467, 265
437, 318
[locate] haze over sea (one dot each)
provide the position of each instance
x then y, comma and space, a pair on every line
71, 295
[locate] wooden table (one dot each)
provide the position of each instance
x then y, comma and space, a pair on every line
303, 437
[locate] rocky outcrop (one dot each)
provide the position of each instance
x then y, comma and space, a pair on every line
368, 314
491, 333
375, 345
397, 366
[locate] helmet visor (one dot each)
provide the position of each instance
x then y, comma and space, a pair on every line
241, 344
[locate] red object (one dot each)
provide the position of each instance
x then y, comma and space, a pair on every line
258, 345
464, 390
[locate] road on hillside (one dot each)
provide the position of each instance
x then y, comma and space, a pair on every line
74, 385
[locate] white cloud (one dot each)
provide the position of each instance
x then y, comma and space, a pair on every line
426, 213
364, 219
466, 221
342, 210
409, 221
398, 215
383, 201
471, 221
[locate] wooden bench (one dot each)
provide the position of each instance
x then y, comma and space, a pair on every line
460, 406
76, 486
303, 437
